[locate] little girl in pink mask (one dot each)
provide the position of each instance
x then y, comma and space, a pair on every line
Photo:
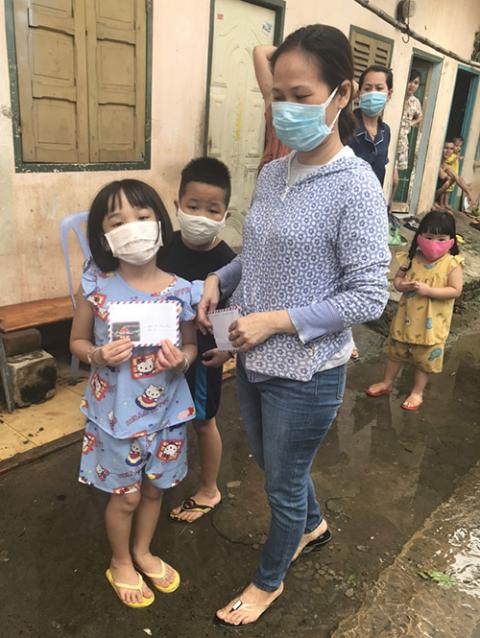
430, 278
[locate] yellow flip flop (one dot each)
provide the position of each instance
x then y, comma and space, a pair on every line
175, 584
146, 602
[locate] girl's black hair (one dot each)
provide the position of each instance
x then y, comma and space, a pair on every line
139, 195
436, 222
332, 53
414, 74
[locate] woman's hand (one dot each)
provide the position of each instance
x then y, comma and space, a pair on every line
169, 357
114, 353
214, 358
248, 332
208, 303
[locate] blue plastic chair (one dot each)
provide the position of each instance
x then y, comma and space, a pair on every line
75, 223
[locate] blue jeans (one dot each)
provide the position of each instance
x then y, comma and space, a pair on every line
286, 421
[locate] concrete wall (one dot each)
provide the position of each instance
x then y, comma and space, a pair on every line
31, 264
32, 204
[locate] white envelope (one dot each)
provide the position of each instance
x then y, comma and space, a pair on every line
221, 321
146, 323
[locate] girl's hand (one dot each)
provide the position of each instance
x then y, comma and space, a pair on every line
114, 353
208, 303
214, 358
248, 332
169, 357
424, 290
407, 285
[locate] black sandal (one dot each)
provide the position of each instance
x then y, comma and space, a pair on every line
316, 544
191, 505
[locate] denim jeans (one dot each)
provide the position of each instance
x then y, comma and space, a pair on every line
286, 421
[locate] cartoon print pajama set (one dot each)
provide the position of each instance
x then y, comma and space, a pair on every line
135, 416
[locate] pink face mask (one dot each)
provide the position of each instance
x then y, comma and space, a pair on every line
433, 249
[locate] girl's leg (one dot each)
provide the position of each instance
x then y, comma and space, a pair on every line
210, 450
391, 370
146, 521
415, 398
118, 520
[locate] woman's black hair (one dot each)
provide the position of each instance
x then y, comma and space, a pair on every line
377, 68
139, 195
414, 74
436, 222
332, 53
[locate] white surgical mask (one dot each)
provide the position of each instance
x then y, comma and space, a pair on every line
136, 242
198, 231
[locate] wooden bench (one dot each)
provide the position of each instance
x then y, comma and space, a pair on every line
35, 313
28, 315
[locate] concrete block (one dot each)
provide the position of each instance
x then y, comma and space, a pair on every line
32, 377
21, 341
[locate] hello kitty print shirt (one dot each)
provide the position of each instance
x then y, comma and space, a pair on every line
132, 399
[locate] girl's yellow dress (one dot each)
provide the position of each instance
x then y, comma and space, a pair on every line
420, 328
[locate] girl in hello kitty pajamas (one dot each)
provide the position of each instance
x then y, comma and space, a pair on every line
137, 399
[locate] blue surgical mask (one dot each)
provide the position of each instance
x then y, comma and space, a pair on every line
373, 103
302, 126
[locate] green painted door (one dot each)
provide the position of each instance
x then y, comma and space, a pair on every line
402, 192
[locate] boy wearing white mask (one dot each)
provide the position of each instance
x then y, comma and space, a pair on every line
194, 252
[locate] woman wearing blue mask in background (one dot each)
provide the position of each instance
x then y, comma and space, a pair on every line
314, 262
372, 135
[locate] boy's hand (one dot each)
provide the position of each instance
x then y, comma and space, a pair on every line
214, 358
169, 357
424, 290
114, 353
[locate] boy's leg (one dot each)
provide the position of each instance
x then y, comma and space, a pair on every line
118, 521
210, 450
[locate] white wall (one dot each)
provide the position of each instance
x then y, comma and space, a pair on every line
31, 264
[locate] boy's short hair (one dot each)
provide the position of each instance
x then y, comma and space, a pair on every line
458, 138
207, 170
377, 68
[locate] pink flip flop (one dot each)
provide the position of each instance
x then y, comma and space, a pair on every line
378, 393
410, 408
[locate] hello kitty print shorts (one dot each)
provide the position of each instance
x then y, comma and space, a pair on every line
118, 466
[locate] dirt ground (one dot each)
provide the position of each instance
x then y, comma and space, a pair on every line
380, 474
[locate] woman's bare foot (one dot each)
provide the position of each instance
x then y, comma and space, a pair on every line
311, 536
150, 564
127, 574
249, 606
201, 497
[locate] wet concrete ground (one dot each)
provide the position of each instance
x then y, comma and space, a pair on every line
381, 473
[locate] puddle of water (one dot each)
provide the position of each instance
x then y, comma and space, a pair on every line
465, 567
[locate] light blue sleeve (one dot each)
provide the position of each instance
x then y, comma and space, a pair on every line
363, 252
197, 291
364, 258
229, 276
315, 320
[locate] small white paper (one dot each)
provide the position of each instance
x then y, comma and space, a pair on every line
221, 321
147, 324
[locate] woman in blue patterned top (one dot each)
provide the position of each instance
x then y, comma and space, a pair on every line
314, 263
